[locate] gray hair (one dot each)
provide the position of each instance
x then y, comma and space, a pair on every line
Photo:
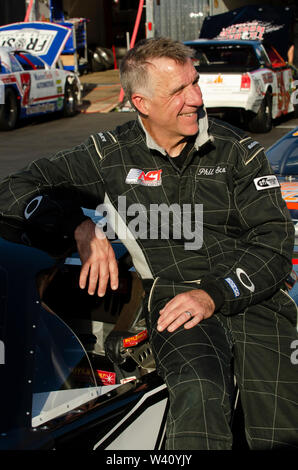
134, 66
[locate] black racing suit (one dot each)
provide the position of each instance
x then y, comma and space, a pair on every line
229, 233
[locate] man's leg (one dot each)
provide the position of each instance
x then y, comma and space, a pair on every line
196, 366
266, 376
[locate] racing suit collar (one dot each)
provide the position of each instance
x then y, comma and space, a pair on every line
202, 136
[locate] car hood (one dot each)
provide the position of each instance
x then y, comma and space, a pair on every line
266, 23
46, 40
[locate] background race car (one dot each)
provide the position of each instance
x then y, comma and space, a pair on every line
242, 60
283, 157
245, 76
32, 80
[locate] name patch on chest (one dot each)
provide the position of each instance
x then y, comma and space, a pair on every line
211, 171
149, 178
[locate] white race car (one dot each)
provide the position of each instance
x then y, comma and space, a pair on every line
244, 75
32, 78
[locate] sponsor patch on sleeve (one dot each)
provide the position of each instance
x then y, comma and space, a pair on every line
266, 182
233, 286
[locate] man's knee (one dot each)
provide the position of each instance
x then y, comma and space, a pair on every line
200, 412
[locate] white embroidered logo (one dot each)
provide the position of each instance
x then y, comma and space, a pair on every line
211, 171
266, 182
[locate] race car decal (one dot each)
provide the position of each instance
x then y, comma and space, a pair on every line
107, 378
134, 340
41, 108
289, 192
128, 379
218, 79
267, 77
283, 97
46, 84
26, 84
248, 30
42, 76
44, 39
48, 97
9, 79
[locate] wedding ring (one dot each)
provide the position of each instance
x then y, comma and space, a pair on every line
189, 313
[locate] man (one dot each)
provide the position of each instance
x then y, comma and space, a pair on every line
216, 304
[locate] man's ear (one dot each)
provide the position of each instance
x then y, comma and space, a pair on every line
140, 103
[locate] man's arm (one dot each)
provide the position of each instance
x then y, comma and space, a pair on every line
98, 259
48, 196
256, 265
66, 181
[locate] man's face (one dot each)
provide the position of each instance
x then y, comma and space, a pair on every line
174, 99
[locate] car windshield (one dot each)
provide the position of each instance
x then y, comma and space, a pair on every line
224, 56
63, 377
28, 61
283, 157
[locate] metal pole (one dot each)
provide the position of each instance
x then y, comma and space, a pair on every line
127, 40
150, 29
133, 39
28, 10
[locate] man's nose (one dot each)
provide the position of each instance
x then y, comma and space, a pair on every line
194, 96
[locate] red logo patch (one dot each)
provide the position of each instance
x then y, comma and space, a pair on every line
149, 178
107, 378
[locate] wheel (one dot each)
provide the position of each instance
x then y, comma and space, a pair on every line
70, 100
9, 111
262, 121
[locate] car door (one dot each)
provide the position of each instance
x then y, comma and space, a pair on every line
38, 83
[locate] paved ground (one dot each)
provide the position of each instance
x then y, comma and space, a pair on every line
101, 91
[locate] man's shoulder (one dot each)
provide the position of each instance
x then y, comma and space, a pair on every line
110, 142
245, 145
125, 132
223, 129
128, 130
243, 148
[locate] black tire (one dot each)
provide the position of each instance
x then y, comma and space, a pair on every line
9, 111
70, 100
262, 121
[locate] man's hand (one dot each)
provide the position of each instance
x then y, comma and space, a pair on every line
98, 258
188, 308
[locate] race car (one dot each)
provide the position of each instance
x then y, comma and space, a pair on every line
242, 60
76, 370
243, 75
32, 79
283, 157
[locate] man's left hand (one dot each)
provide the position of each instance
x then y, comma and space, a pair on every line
189, 308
